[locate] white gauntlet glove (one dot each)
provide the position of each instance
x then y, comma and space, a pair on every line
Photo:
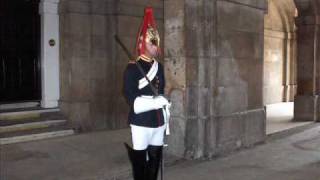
160, 102
147, 103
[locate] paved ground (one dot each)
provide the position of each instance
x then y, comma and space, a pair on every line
86, 156
280, 116
102, 156
296, 157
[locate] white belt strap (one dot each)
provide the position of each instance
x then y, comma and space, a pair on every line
143, 82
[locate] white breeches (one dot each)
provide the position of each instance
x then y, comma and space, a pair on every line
144, 136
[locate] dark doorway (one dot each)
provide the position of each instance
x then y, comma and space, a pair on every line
19, 51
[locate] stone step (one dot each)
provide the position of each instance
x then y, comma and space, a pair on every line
36, 136
22, 105
35, 130
42, 117
31, 126
25, 114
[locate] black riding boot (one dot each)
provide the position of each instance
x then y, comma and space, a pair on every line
139, 163
155, 155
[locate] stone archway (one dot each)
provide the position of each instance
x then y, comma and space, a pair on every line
279, 52
279, 65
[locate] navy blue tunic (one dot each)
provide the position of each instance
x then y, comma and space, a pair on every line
132, 76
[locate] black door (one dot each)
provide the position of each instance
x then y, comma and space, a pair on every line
19, 51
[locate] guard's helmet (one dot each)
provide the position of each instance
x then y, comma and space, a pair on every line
148, 32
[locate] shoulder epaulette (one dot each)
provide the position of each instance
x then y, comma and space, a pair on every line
132, 62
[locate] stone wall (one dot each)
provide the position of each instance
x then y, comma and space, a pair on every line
214, 63
92, 64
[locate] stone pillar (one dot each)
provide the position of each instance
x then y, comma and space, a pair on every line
213, 49
175, 71
49, 53
290, 86
306, 106
278, 70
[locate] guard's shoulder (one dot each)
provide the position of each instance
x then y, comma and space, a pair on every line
131, 67
132, 62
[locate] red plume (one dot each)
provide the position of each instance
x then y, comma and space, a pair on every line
148, 21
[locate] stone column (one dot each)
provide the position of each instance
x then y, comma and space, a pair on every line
290, 86
211, 47
175, 64
306, 106
49, 53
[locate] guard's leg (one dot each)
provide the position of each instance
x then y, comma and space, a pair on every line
155, 155
140, 140
139, 164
